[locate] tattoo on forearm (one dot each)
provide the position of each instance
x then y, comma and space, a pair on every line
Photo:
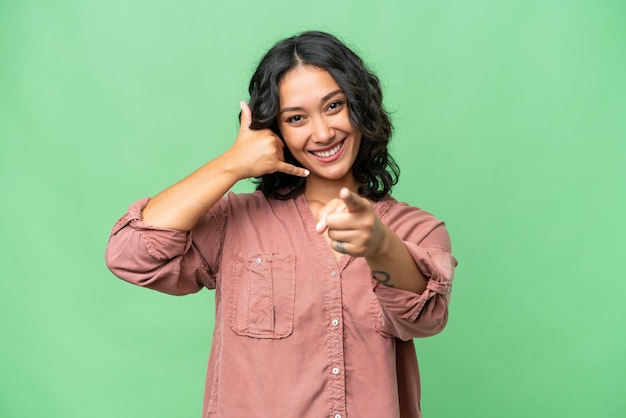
383, 277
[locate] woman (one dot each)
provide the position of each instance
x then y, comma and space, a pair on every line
322, 278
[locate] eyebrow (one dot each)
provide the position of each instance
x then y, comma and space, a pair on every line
296, 108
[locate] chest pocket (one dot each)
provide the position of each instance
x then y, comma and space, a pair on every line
261, 301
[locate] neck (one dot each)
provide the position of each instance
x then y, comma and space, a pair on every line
324, 190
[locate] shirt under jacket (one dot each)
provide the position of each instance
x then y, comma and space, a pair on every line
296, 333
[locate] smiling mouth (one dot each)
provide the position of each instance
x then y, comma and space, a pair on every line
328, 153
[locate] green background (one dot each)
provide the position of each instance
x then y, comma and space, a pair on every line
510, 125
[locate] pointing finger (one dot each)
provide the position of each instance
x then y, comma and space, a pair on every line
353, 202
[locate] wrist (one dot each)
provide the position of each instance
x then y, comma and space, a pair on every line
386, 242
232, 167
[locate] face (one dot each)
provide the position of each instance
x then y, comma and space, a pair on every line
313, 120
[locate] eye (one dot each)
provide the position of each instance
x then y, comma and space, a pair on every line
338, 104
294, 119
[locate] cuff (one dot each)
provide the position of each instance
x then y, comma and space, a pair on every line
161, 243
437, 264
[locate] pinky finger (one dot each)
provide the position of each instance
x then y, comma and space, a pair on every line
293, 170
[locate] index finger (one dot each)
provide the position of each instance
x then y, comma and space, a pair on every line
353, 202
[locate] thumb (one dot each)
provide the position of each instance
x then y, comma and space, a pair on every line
245, 119
321, 226
331, 207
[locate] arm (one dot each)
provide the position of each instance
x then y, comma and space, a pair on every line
254, 153
410, 262
158, 258
393, 265
152, 245
408, 315
355, 229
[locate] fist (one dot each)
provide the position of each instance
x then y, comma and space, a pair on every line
353, 226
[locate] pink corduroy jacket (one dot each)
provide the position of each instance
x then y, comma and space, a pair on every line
296, 333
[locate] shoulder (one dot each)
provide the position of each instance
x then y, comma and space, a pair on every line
395, 210
407, 220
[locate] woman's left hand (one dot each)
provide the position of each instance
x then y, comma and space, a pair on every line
352, 225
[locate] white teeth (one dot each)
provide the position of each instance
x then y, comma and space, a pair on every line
330, 152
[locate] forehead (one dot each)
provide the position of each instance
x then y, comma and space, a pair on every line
305, 84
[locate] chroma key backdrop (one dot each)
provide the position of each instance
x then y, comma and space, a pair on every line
509, 125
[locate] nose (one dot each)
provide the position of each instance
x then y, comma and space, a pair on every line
322, 130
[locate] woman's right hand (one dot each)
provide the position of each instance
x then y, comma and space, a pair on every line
258, 152
254, 153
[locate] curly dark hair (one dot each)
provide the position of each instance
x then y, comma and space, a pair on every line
373, 167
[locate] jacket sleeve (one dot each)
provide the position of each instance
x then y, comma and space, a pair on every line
166, 260
408, 315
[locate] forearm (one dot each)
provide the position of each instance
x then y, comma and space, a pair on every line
394, 266
254, 153
181, 205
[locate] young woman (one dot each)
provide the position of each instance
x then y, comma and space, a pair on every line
322, 279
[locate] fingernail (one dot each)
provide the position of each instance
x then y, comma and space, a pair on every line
306, 172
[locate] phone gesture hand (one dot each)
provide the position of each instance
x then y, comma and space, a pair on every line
259, 151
